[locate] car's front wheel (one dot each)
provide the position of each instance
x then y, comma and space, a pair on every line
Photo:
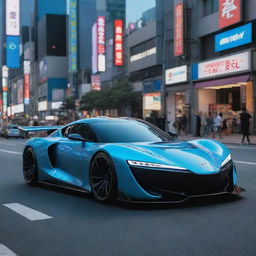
103, 178
29, 166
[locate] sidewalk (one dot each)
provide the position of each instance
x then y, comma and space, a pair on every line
227, 139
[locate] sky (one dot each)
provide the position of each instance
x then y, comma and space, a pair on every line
135, 8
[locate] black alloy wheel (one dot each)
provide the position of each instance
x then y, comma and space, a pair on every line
29, 166
103, 179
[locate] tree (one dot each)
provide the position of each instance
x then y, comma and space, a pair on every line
69, 103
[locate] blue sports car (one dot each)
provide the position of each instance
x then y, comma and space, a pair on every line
128, 159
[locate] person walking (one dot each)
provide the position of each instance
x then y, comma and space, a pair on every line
210, 124
245, 124
217, 125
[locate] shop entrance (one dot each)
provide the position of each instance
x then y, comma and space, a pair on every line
228, 99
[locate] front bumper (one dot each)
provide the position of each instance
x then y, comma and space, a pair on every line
173, 186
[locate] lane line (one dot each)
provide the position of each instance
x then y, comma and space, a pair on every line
242, 162
5, 251
11, 152
237, 147
27, 212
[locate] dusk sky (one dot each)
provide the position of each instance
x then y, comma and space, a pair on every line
135, 8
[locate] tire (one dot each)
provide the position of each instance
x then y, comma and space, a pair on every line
103, 178
30, 171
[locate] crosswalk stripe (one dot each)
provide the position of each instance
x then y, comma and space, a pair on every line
5, 251
27, 212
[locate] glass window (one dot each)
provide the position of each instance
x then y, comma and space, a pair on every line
81, 129
128, 131
211, 6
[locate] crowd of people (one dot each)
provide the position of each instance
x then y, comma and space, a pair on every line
214, 124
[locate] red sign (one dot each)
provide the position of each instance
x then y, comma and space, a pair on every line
26, 88
101, 22
95, 80
178, 30
229, 12
118, 42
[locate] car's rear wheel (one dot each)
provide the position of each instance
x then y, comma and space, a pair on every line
103, 178
30, 171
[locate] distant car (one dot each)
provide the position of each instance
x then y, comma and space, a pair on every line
11, 130
128, 159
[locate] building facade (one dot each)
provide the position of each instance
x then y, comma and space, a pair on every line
209, 60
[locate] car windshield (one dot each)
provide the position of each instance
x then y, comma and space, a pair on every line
127, 131
12, 127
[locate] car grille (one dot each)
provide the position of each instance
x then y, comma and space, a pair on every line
184, 183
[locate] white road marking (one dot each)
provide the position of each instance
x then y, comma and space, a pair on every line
27, 212
11, 152
237, 147
5, 251
242, 162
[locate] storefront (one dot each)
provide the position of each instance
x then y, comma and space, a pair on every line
178, 98
151, 97
222, 94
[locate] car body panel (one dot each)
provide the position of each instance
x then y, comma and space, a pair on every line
66, 161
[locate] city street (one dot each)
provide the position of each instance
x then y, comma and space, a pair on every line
71, 223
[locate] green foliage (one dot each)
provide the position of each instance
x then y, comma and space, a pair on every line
117, 96
69, 104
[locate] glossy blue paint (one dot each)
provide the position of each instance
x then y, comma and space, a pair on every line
73, 159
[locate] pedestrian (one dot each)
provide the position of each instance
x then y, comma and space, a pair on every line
245, 124
184, 123
204, 124
217, 125
198, 124
210, 124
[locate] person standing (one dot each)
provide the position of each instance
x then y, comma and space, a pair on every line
217, 125
198, 125
245, 124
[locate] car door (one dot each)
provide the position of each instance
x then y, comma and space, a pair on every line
72, 156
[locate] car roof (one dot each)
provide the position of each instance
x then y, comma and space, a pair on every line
103, 119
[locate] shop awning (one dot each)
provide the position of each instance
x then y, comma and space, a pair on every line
224, 81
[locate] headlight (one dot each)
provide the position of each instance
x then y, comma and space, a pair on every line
228, 158
153, 165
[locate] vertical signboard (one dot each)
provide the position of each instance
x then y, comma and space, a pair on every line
26, 89
4, 88
118, 42
229, 12
94, 49
13, 51
101, 47
73, 36
178, 28
26, 81
12, 17
95, 80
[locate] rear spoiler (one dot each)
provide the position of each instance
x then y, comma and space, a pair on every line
39, 128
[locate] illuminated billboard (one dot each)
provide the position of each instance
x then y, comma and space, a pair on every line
13, 51
73, 36
118, 42
101, 47
94, 49
178, 29
229, 12
12, 17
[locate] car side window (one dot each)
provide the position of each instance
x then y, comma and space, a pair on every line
82, 129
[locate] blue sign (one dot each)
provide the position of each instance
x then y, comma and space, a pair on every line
152, 86
13, 51
233, 38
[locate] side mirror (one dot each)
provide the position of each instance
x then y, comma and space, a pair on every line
76, 136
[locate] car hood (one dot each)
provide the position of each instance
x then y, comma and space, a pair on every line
190, 155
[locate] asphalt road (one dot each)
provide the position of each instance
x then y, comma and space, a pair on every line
79, 226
